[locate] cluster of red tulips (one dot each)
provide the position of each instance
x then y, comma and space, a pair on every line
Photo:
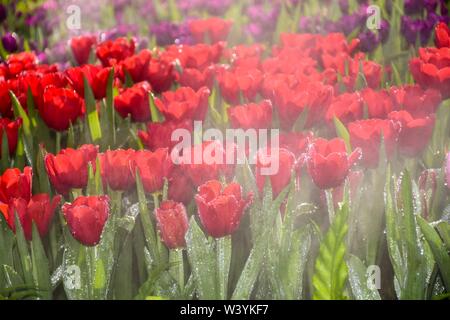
338, 115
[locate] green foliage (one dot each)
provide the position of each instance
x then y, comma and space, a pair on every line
331, 271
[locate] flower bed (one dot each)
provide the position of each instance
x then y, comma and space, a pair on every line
231, 150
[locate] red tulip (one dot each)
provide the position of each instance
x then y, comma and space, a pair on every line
221, 209
211, 162
161, 74
137, 65
18, 62
210, 30
134, 101
81, 48
242, 80
285, 164
415, 133
40, 209
158, 134
181, 188
251, 116
328, 162
86, 218
112, 52
61, 107
417, 101
115, 166
69, 168
184, 103
432, 69
347, 107
198, 56
6, 109
195, 78
97, 78
15, 184
153, 168
173, 223
296, 142
366, 135
292, 102
379, 103
442, 35
11, 128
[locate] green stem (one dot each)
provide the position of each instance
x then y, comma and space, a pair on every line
330, 204
58, 141
223, 260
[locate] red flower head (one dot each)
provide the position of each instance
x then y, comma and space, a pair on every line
134, 101
195, 78
5, 99
61, 107
366, 134
11, 128
198, 56
415, 133
245, 81
417, 101
153, 168
160, 74
180, 186
137, 65
379, 103
221, 209
280, 178
173, 223
69, 168
115, 166
159, 134
15, 184
40, 209
210, 30
252, 115
347, 107
112, 52
206, 161
292, 102
432, 69
184, 103
19, 62
328, 162
442, 35
81, 48
97, 78
86, 218
296, 142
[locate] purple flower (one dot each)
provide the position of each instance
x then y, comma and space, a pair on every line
10, 42
383, 33
168, 33
418, 29
413, 6
368, 41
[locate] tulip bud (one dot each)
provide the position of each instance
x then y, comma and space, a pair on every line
69, 168
328, 162
172, 223
86, 218
221, 209
14, 184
